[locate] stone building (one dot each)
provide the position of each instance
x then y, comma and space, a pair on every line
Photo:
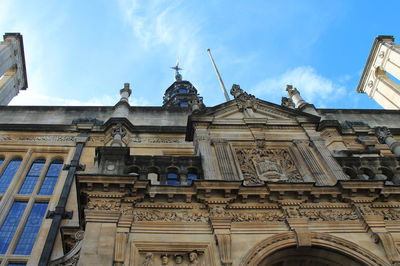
246, 182
380, 78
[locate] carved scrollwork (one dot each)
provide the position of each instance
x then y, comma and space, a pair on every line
382, 133
260, 164
243, 99
258, 217
329, 215
170, 216
104, 204
390, 214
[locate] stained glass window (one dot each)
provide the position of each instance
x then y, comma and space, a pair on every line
51, 178
10, 224
191, 177
172, 179
32, 177
8, 174
31, 229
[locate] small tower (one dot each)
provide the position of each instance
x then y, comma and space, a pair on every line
181, 92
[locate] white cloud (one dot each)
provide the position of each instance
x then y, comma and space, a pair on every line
313, 87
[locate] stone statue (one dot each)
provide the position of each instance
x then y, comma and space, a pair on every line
194, 259
148, 261
164, 260
179, 260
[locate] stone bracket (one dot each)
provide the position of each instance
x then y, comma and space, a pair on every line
79, 167
224, 248
64, 215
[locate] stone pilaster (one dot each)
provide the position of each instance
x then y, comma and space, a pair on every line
330, 162
224, 158
221, 224
313, 164
203, 147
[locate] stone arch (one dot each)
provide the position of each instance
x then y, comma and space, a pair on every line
319, 240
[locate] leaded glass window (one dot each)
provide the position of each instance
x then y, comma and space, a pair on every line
31, 229
51, 178
8, 174
10, 224
32, 177
172, 179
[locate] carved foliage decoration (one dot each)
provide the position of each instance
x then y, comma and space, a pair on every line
330, 215
258, 217
104, 204
259, 164
170, 216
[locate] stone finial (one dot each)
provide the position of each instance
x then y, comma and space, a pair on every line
125, 93
236, 91
294, 95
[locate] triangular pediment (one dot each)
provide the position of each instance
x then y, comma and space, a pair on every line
261, 110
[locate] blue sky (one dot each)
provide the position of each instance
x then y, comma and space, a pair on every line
81, 52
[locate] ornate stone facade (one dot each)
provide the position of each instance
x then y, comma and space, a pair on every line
246, 182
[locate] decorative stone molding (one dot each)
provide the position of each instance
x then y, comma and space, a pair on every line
170, 216
118, 133
244, 100
389, 246
384, 136
323, 240
258, 217
261, 165
72, 257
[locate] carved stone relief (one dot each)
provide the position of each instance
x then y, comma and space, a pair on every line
258, 217
330, 215
263, 164
104, 204
156, 140
170, 216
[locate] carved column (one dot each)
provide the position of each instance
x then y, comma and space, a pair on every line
203, 146
224, 159
384, 136
313, 164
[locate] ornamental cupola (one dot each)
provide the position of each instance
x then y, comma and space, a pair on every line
181, 93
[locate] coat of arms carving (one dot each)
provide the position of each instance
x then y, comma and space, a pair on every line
260, 164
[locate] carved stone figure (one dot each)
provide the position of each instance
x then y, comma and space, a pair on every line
194, 259
148, 261
179, 260
164, 260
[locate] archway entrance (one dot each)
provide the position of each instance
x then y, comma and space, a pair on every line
308, 256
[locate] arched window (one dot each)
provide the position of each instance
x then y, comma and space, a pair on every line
8, 174
192, 175
51, 178
173, 177
32, 177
